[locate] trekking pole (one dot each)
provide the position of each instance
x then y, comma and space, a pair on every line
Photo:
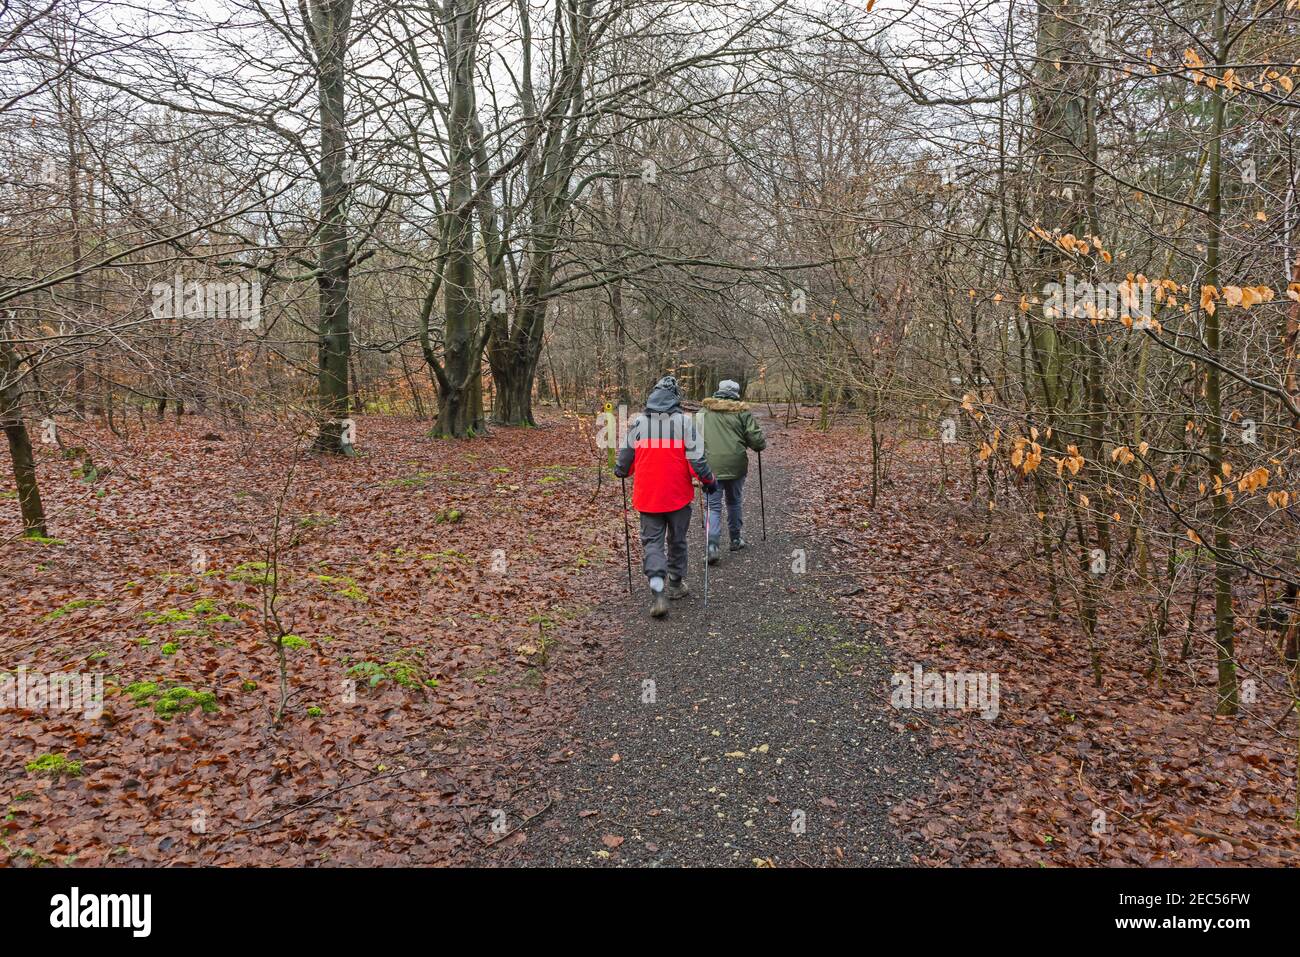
627, 538
762, 505
704, 515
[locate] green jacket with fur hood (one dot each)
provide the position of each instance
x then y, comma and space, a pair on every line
728, 429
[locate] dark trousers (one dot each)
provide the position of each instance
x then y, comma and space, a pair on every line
655, 528
733, 490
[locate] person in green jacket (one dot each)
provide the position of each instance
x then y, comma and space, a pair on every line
729, 431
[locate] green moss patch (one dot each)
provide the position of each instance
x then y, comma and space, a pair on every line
169, 702
403, 673
54, 766
71, 606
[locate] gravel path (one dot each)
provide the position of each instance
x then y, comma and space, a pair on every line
765, 735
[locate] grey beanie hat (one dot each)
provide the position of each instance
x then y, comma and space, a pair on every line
728, 389
669, 382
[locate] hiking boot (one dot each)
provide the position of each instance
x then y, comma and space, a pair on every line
715, 553
659, 607
677, 588
738, 543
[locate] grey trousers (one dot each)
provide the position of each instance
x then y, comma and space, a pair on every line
655, 527
733, 490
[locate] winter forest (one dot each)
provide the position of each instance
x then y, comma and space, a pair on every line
322, 324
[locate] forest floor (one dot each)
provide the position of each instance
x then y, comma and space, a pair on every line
1137, 772
433, 592
469, 681
748, 731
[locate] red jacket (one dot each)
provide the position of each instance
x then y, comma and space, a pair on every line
661, 477
661, 467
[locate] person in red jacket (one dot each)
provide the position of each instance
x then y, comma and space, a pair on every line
663, 452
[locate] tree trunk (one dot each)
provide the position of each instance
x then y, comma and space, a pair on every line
514, 358
514, 405
329, 24
623, 393
1223, 568
20, 444
460, 396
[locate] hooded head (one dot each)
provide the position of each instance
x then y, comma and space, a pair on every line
665, 396
727, 389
